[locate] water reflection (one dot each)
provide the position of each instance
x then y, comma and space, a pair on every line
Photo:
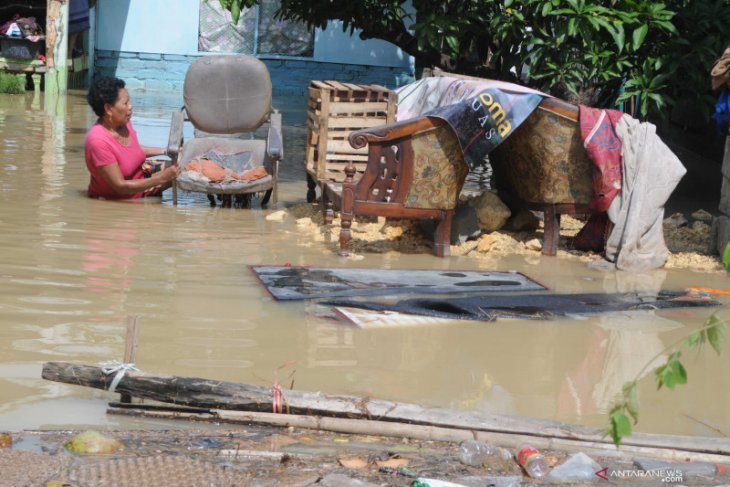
73, 269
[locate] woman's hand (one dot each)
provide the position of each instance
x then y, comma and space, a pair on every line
167, 175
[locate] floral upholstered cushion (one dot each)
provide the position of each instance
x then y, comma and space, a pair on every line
544, 161
439, 170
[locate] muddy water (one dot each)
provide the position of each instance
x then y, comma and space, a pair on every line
73, 269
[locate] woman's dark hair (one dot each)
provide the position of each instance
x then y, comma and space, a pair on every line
104, 89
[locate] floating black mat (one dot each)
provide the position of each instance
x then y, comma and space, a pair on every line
532, 306
311, 282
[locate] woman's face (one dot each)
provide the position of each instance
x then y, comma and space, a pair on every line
121, 112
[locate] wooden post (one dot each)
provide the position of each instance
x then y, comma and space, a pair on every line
56, 47
131, 343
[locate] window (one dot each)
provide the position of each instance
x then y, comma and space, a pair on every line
257, 31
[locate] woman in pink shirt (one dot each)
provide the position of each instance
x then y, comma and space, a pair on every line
113, 154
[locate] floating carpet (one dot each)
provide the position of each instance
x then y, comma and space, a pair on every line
311, 282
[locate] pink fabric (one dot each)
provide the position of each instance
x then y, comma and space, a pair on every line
597, 127
103, 149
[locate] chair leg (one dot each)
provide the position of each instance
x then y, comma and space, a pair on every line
552, 231
311, 193
346, 222
327, 213
442, 235
174, 192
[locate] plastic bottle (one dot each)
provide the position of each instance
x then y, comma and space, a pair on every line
532, 461
477, 453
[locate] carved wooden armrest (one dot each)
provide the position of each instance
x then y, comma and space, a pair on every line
391, 131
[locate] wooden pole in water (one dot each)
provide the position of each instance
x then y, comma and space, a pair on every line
56, 47
131, 344
215, 394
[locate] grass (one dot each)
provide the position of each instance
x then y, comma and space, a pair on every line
11, 83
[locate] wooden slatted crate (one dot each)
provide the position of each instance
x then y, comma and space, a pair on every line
335, 110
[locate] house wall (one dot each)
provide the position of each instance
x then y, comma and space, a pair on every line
150, 44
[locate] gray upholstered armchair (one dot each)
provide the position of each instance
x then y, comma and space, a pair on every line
227, 98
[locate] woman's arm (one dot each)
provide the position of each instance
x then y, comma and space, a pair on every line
114, 178
153, 151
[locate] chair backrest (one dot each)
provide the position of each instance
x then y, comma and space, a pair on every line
227, 94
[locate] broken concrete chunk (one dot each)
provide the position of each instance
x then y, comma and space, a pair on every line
492, 213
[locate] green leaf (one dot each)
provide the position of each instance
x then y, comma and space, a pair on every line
453, 43
726, 257
507, 3
631, 399
572, 26
619, 37
679, 374
639, 35
235, 12
695, 338
716, 333
620, 426
659, 375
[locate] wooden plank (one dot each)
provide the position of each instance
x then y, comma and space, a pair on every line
334, 158
354, 107
392, 106
343, 147
356, 123
340, 176
320, 84
314, 93
354, 87
20, 67
339, 86
199, 392
319, 164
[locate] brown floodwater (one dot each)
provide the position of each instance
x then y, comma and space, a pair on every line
73, 269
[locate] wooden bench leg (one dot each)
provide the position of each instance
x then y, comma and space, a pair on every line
328, 213
311, 186
442, 235
552, 231
346, 222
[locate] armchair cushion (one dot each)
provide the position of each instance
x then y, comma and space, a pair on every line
439, 170
243, 155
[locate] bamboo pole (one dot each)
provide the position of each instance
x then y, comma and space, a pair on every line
426, 433
131, 344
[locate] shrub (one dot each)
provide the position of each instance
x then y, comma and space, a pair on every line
11, 83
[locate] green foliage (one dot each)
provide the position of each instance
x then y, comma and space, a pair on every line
11, 83
600, 52
667, 375
726, 257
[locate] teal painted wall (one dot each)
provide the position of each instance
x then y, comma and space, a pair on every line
166, 72
150, 44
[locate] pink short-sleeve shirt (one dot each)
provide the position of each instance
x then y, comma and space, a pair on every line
102, 149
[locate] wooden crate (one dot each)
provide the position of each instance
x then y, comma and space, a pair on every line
335, 110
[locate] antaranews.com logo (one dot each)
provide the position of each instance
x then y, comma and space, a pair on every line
664, 474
